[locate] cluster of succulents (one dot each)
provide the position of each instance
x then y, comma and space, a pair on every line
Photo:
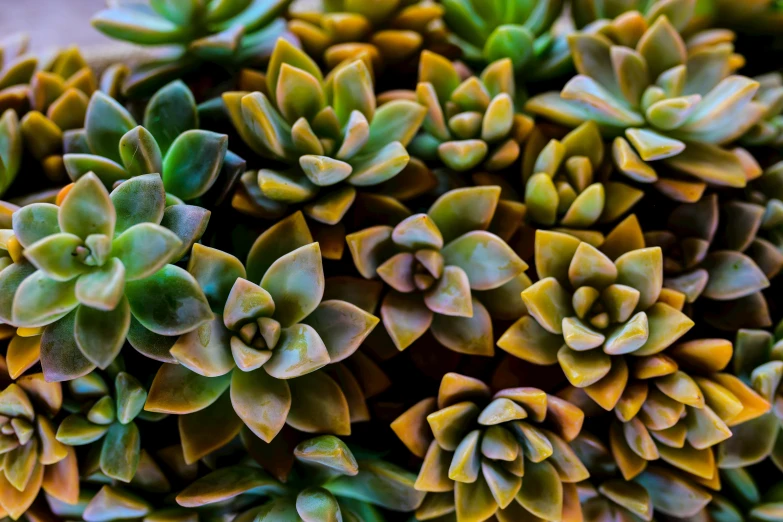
395, 260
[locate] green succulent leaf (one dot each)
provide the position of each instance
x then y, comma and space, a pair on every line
169, 302
193, 163
141, 199
179, 391
261, 401
106, 122
34, 222
40, 300
61, 358
144, 249
100, 334
140, 152
87, 209
170, 112
121, 451
296, 283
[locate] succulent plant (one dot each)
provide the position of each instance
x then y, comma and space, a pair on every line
680, 12
230, 33
328, 483
591, 308
96, 271
58, 96
769, 129
446, 272
744, 500
17, 68
713, 256
659, 490
327, 132
33, 459
565, 182
193, 163
757, 362
105, 416
482, 452
469, 123
391, 31
669, 105
257, 363
490, 31
10, 149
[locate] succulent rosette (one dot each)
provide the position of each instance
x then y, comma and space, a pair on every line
670, 106
446, 273
184, 34
505, 455
33, 459
713, 255
96, 272
659, 491
258, 362
328, 132
470, 123
194, 164
489, 31
105, 415
591, 308
328, 483
58, 96
566, 183
391, 31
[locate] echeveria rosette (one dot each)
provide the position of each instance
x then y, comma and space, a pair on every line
193, 163
469, 123
258, 363
489, 31
506, 454
33, 459
391, 31
713, 255
670, 106
97, 273
659, 491
104, 415
329, 483
566, 186
58, 94
328, 132
229, 33
446, 273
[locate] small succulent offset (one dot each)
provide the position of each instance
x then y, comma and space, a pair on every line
670, 105
190, 161
446, 272
226, 32
506, 454
105, 415
565, 183
257, 362
391, 31
328, 484
328, 132
33, 459
96, 271
490, 31
469, 123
